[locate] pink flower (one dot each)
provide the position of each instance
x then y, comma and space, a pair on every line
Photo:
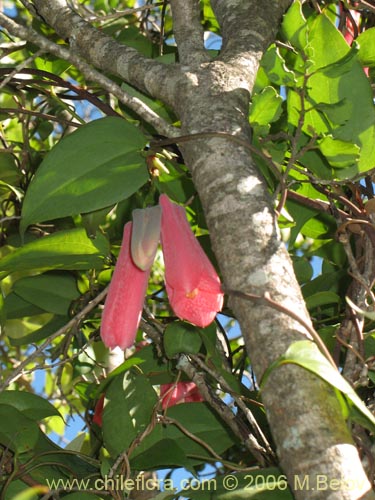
183, 392
192, 283
124, 302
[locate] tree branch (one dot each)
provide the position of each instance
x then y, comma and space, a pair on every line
188, 32
104, 52
245, 28
90, 73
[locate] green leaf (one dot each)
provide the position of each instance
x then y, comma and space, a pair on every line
275, 67
94, 167
45, 331
321, 299
61, 250
51, 292
340, 154
180, 337
128, 411
30, 405
156, 456
337, 78
366, 41
30, 493
16, 307
303, 269
17, 432
199, 420
294, 26
306, 354
265, 107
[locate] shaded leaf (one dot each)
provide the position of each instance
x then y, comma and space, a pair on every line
128, 411
30, 405
180, 337
50, 292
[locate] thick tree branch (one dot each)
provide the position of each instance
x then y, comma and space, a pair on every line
90, 73
253, 259
105, 53
245, 30
188, 32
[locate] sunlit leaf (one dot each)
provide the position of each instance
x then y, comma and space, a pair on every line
94, 167
61, 250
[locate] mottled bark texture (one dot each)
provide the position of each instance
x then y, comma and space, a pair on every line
312, 439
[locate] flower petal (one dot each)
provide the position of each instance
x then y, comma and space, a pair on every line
193, 285
124, 302
183, 392
145, 236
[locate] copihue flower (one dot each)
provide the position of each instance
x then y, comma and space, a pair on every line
123, 306
193, 286
182, 392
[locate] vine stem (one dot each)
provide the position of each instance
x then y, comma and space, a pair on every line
18, 372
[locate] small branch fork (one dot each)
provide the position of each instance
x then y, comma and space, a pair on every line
135, 104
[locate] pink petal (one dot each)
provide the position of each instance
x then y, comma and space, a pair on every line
124, 302
193, 285
183, 392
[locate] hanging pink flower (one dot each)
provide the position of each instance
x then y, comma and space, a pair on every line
183, 392
192, 283
124, 302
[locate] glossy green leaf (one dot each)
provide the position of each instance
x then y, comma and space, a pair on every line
156, 456
340, 154
321, 299
18, 432
265, 107
16, 307
128, 411
30, 405
294, 26
303, 269
199, 420
180, 337
366, 41
94, 167
275, 67
339, 101
306, 354
51, 292
41, 333
61, 250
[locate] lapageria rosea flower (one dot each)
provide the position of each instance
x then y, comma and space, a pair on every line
193, 286
182, 392
124, 302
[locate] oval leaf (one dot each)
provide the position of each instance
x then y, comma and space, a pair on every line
181, 337
94, 167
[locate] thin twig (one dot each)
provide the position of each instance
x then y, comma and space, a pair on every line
135, 104
18, 372
266, 300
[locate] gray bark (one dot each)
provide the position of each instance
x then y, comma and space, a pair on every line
313, 442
